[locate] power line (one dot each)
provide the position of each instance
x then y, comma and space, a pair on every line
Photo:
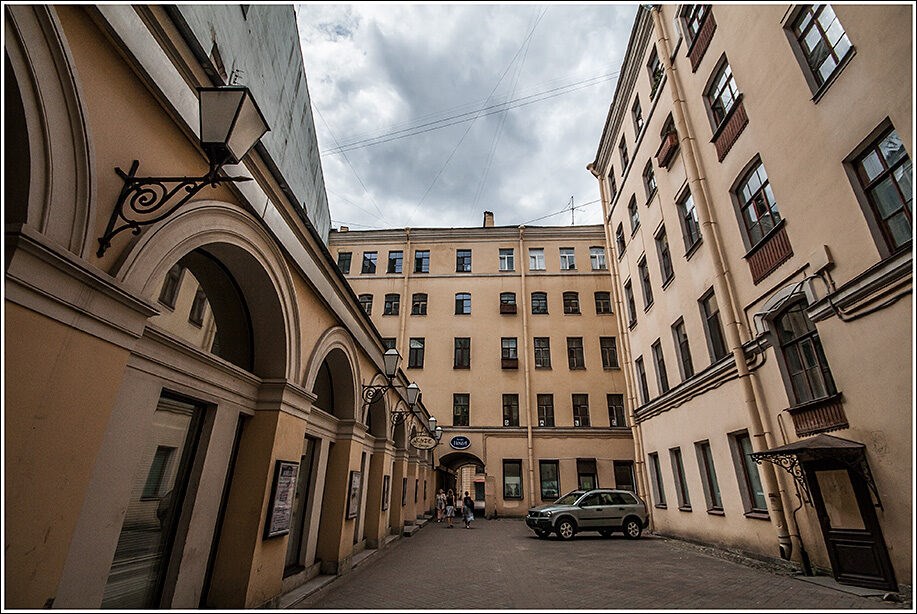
564, 210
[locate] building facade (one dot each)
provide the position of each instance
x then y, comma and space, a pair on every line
756, 177
510, 333
183, 417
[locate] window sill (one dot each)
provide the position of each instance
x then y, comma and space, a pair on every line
684, 508
461, 368
547, 368
612, 368
634, 230
661, 506
539, 313
650, 196
577, 368
758, 515
820, 92
693, 249
389, 314
632, 325
196, 324
668, 281
648, 307
716, 512
573, 313
763, 240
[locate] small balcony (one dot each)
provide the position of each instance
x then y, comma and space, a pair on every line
819, 416
508, 308
770, 252
699, 45
509, 363
727, 133
667, 149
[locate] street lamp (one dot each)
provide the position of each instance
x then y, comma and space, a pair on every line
230, 125
372, 393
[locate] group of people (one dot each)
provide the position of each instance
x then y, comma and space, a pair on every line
446, 508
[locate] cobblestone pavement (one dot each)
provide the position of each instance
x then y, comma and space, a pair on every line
500, 564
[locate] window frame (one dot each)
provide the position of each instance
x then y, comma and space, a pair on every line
461, 356
817, 85
662, 377
369, 262
664, 253
536, 256
608, 348
571, 303
507, 259
712, 493
416, 353
366, 302
754, 170
633, 214
419, 304
656, 482
538, 302
509, 352
580, 404
625, 159
507, 302
717, 85
602, 298
690, 223
541, 479
681, 482
630, 304
576, 359
683, 350
542, 353
620, 241
461, 412
421, 261
656, 70
512, 462
349, 260
706, 318
463, 260
649, 181
545, 408
597, 258
391, 307
171, 285
646, 284
743, 464
510, 410
823, 369
395, 264
616, 409
463, 303
641, 380
198, 308
567, 258
636, 113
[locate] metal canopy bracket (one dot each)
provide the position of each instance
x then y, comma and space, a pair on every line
789, 462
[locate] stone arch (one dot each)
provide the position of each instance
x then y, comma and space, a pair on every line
56, 153
335, 357
240, 246
376, 415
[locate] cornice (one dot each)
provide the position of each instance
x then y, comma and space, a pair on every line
494, 234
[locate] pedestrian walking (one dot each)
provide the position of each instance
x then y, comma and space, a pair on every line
450, 508
440, 505
468, 508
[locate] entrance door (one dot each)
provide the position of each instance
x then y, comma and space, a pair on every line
850, 526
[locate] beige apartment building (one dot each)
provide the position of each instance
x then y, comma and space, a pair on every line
756, 180
510, 333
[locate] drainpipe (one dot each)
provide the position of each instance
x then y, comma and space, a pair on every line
762, 438
526, 367
406, 268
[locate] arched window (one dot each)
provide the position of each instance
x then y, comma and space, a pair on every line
463, 303
803, 356
757, 204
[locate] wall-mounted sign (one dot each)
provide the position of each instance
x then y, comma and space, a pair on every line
280, 512
423, 442
460, 442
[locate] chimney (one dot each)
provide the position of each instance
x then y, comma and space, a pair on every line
344, 229
488, 219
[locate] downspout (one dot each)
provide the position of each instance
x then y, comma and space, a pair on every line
526, 367
406, 269
762, 438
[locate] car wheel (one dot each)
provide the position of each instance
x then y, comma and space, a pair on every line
566, 529
632, 528
605, 532
541, 533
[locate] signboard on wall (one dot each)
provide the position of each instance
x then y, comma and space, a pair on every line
460, 442
283, 490
423, 442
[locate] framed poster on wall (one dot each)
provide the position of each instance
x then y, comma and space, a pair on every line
283, 490
404, 491
385, 492
353, 498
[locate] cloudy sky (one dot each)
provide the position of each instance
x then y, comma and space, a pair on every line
429, 114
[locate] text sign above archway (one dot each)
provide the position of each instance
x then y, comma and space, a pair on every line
460, 442
423, 442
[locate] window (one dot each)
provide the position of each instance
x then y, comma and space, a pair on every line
645, 283
597, 258
463, 261
460, 409
545, 409
602, 303
152, 489
710, 312
619, 240
539, 302
170, 286
550, 479
637, 113
507, 260
542, 352
634, 215
609, 349
421, 261
462, 303
415, 354
586, 474
198, 307
366, 302
612, 185
693, 20
622, 149
656, 70
682, 349
885, 173
803, 355
508, 353
507, 302
641, 380
747, 473
567, 259
512, 479
462, 353
681, 485
649, 179
708, 476
344, 259
388, 343
823, 42
394, 261
571, 302
392, 304
665, 256
536, 259
616, 415
369, 263
580, 410
631, 304
510, 410
690, 227
662, 378
757, 204
575, 358
658, 488
624, 480
419, 304
722, 94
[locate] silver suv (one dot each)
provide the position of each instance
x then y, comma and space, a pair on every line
601, 509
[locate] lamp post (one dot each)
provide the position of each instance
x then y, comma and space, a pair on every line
230, 125
372, 393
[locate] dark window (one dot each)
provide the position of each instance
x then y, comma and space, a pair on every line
681, 484
463, 303
634, 215
885, 174
170, 286
395, 261
641, 380
683, 349
571, 302
619, 240
616, 415
656, 70
198, 307
757, 204
580, 410
463, 261
415, 354
152, 489
662, 378
665, 256
597, 258
507, 302
803, 355
690, 227
550, 479
749, 479
622, 148
344, 259
624, 479
419, 304
609, 349
369, 263
507, 260
586, 474
567, 259
539, 302
722, 94
637, 113
710, 311
575, 358
658, 488
649, 179
708, 476
460, 409
693, 19
545, 410
822, 40
645, 283
542, 352
392, 304
512, 479
602, 303
631, 304
422, 261
366, 302
388, 343
462, 353
612, 185
509, 353
510, 410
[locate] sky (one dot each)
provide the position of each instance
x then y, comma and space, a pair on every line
427, 115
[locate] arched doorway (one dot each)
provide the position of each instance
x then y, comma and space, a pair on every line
464, 471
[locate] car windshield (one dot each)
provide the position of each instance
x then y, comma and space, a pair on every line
570, 498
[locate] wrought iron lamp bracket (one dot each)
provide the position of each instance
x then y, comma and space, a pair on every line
790, 463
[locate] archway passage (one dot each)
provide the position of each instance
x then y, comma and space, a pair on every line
463, 471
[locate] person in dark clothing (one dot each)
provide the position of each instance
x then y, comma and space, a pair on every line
468, 505
450, 508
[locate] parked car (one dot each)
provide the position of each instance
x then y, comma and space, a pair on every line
601, 509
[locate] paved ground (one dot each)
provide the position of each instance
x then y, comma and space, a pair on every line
500, 564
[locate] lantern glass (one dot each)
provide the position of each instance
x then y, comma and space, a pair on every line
431, 421
250, 126
231, 123
390, 361
413, 392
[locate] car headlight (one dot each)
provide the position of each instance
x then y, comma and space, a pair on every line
548, 514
